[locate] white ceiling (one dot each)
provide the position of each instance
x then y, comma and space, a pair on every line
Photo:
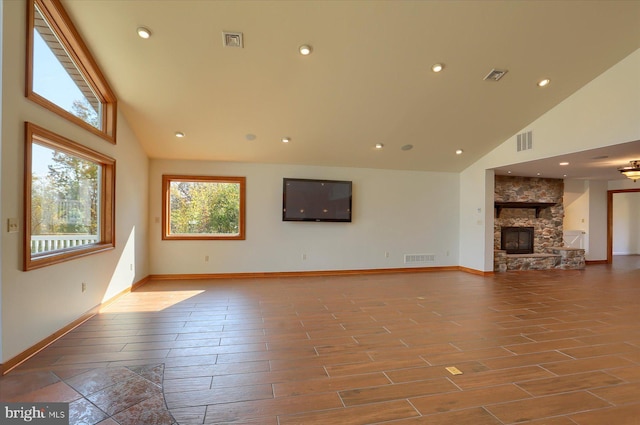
367, 81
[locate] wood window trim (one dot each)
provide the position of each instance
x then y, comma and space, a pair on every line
61, 24
166, 181
34, 133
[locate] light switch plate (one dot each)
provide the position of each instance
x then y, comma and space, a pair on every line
12, 225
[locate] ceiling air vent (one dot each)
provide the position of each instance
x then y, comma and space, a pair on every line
232, 39
495, 74
524, 141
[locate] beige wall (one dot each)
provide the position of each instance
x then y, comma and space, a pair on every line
626, 223
394, 212
586, 210
37, 303
576, 205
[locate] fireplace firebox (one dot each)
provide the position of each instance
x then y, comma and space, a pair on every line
517, 240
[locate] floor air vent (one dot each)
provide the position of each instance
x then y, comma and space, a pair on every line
525, 141
419, 258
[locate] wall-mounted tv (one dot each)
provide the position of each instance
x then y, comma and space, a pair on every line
316, 200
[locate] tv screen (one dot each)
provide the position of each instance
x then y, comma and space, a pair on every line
316, 200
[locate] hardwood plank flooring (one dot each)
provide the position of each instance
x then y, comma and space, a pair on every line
538, 347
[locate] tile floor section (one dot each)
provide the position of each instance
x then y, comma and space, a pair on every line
538, 347
106, 396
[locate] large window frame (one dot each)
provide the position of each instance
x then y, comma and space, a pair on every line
166, 207
76, 50
106, 198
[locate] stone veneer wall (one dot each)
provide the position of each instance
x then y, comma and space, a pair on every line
547, 228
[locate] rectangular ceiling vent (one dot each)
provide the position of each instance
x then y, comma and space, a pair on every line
495, 74
419, 258
524, 141
232, 39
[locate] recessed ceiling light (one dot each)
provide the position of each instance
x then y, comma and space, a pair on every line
305, 50
509, 172
437, 67
407, 147
250, 136
459, 151
543, 83
143, 32
564, 163
538, 174
286, 139
180, 134
379, 146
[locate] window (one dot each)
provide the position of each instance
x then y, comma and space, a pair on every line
69, 199
62, 75
203, 207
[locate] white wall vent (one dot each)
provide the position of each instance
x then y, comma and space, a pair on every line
232, 39
419, 258
525, 141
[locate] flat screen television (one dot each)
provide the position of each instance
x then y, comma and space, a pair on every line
316, 200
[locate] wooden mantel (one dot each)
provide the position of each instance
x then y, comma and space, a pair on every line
538, 206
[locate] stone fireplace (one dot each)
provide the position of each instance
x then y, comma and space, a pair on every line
528, 225
530, 202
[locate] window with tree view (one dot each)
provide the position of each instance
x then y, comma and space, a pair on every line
70, 199
203, 207
57, 79
62, 76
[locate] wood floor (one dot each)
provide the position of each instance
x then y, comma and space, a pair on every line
538, 347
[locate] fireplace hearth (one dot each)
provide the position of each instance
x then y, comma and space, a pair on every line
517, 240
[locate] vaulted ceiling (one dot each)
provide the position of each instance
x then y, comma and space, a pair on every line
368, 79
